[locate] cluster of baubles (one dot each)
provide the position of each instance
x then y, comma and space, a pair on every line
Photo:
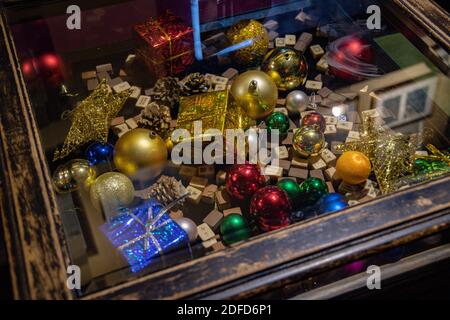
140, 154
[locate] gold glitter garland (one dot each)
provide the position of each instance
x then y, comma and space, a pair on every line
91, 118
391, 154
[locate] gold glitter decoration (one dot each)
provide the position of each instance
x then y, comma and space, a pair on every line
391, 154
214, 110
436, 155
246, 30
91, 118
110, 191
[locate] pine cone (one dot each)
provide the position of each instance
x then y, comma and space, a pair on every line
166, 190
195, 83
167, 92
155, 117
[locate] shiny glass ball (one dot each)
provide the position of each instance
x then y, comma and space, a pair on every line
308, 141
332, 202
234, 228
255, 92
99, 152
75, 174
291, 188
140, 154
270, 208
314, 119
243, 180
277, 120
189, 227
287, 67
297, 101
312, 189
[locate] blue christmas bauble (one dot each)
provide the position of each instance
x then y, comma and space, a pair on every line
331, 206
334, 196
99, 152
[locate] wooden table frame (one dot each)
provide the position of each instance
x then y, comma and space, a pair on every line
38, 255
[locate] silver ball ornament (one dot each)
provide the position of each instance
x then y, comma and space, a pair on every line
189, 227
297, 101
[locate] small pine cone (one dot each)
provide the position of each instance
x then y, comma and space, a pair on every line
166, 190
155, 117
195, 83
167, 92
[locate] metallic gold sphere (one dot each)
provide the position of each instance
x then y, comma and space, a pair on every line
140, 154
287, 67
256, 93
297, 101
250, 30
353, 167
75, 174
110, 191
308, 141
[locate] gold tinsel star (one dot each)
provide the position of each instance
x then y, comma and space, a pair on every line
91, 118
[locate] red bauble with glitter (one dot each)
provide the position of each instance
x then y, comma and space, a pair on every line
243, 180
350, 57
312, 119
270, 208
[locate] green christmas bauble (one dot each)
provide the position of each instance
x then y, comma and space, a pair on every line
234, 228
278, 120
291, 188
312, 189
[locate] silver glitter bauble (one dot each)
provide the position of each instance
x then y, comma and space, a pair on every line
297, 101
189, 227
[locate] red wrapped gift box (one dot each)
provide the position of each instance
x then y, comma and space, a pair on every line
166, 44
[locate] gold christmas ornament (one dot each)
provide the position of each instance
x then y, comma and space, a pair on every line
308, 141
140, 154
91, 118
287, 68
110, 191
75, 174
353, 167
255, 34
255, 92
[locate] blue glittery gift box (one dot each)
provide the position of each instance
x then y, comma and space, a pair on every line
143, 233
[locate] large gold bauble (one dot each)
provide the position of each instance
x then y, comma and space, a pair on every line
110, 191
249, 30
140, 154
75, 174
287, 67
255, 92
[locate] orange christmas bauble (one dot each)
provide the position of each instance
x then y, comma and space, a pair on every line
353, 167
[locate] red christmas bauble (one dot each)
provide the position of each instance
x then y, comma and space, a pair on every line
270, 208
312, 119
348, 56
243, 180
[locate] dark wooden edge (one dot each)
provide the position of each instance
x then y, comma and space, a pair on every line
279, 248
33, 234
430, 16
35, 241
265, 284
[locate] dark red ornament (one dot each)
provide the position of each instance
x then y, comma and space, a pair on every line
243, 180
314, 118
270, 208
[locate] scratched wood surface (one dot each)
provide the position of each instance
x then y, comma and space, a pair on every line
430, 16
32, 226
36, 248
